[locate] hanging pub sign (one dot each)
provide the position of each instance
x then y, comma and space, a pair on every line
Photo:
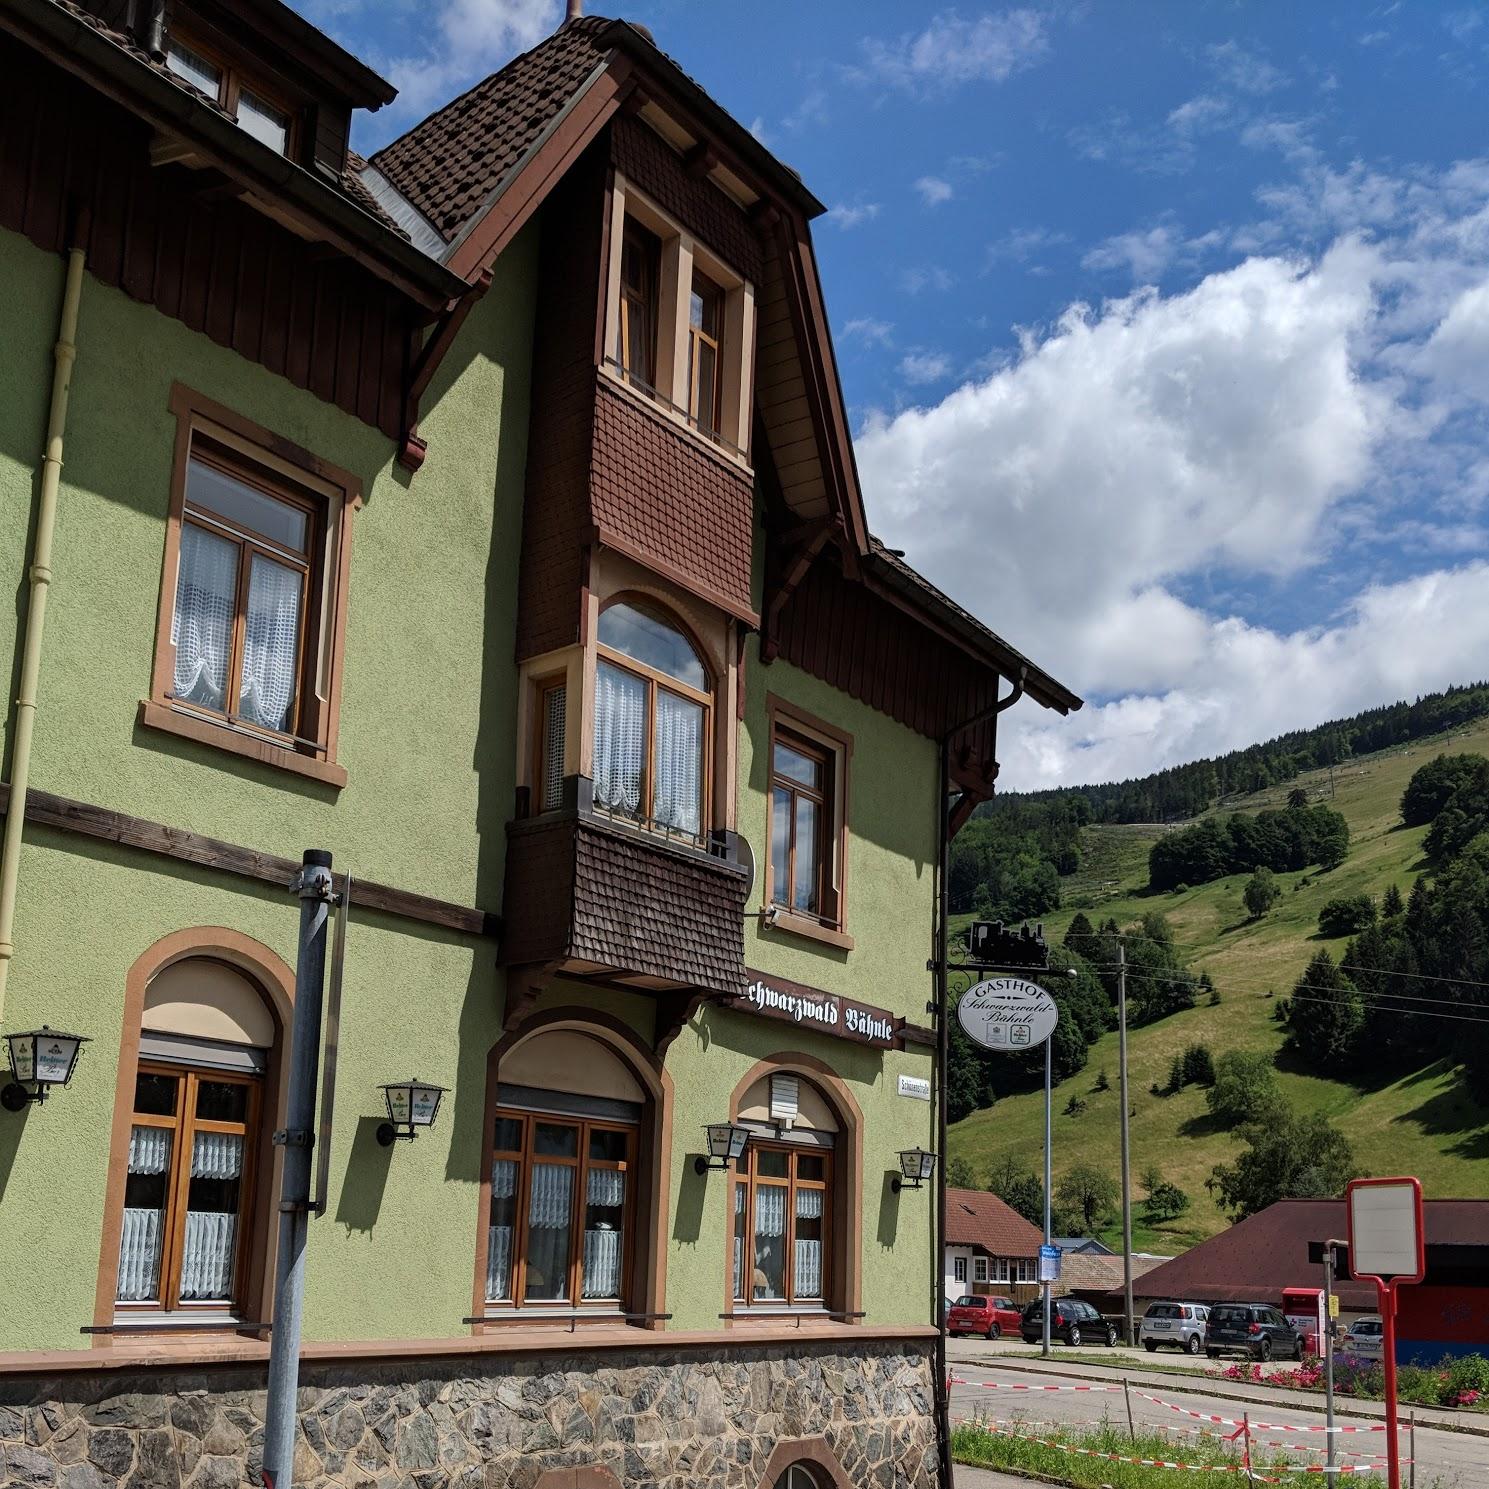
810, 1008
1007, 1014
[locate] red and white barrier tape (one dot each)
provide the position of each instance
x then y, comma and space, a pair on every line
1205, 1416
1066, 1447
1003, 1385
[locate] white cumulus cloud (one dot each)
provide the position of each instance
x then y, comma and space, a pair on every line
955, 49
933, 190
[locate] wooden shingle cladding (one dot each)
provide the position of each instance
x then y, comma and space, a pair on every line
615, 902
68, 154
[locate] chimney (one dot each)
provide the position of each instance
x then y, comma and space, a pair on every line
576, 9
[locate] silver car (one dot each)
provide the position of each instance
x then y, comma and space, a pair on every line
1181, 1325
1364, 1339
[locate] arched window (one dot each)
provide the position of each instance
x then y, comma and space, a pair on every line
783, 1196
193, 1152
652, 709
797, 1476
561, 1231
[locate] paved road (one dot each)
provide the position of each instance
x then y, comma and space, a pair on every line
1446, 1460
985, 1478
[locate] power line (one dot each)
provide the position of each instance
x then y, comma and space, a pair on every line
1419, 976
1461, 1018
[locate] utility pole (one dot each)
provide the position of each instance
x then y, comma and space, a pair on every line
1328, 1344
1048, 1185
1126, 1145
313, 886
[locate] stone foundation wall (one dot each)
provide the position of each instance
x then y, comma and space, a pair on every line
657, 1419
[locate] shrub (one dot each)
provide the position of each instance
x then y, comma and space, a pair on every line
1214, 997
1075, 1106
1103, 1081
1347, 915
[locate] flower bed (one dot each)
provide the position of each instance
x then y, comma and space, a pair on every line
1462, 1381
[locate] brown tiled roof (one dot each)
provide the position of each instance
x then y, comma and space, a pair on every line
976, 1218
1084, 1273
451, 162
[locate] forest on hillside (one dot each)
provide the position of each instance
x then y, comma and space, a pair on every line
1007, 862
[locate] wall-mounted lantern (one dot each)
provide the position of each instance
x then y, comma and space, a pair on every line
916, 1166
39, 1059
726, 1141
411, 1105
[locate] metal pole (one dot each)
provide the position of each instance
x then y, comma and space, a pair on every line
1328, 1342
314, 889
943, 1057
1048, 1185
1126, 1147
1388, 1320
1413, 1448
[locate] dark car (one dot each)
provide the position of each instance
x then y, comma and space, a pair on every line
988, 1316
1256, 1329
1071, 1320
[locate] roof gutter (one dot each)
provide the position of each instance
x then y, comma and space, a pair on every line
324, 212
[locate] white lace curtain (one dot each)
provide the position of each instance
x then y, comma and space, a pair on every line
605, 1190
207, 1255
217, 1155
149, 1150
201, 628
499, 1237
808, 1272
770, 1210
679, 763
620, 738
549, 1212
139, 1256
271, 644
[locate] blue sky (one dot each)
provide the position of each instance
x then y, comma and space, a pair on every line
1164, 328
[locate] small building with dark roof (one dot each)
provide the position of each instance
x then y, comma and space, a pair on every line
989, 1246
1282, 1247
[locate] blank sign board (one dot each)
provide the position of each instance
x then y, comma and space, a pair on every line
1385, 1229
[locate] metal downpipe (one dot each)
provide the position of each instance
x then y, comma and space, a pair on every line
64, 355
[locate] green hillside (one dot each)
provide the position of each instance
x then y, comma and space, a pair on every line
1423, 1123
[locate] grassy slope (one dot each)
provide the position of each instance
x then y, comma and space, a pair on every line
1421, 1124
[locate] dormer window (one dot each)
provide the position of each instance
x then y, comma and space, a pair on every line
680, 324
241, 96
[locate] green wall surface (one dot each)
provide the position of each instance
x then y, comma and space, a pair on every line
428, 738
891, 848
429, 687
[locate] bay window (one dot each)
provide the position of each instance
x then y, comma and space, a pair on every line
562, 1197
651, 727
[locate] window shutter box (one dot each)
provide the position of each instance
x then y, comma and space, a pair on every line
784, 1092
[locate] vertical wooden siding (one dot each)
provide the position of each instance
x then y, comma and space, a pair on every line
176, 239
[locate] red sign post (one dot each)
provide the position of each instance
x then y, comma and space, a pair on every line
1387, 1245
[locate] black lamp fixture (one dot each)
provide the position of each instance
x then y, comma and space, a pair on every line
39, 1059
411, 1105
726, 1141
916, 1166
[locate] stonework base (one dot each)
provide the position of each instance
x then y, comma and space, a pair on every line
654, 1418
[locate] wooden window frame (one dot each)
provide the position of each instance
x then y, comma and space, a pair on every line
184, 1126
698, 337
518, 1304
235, 78
541, 689
797, 727
332, 495
631, 234
654, 678
751, 1182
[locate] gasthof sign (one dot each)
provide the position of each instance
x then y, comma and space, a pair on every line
1008, 1014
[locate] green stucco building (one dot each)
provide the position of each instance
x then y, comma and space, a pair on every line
486, 515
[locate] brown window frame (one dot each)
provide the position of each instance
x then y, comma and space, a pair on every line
654, 678
185, 1124
638, 238
543, 689
715, 295
750, 1181
208, 433
235, 80
582, 1164
808, 734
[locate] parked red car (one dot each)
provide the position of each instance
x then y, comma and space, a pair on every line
990, 1317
